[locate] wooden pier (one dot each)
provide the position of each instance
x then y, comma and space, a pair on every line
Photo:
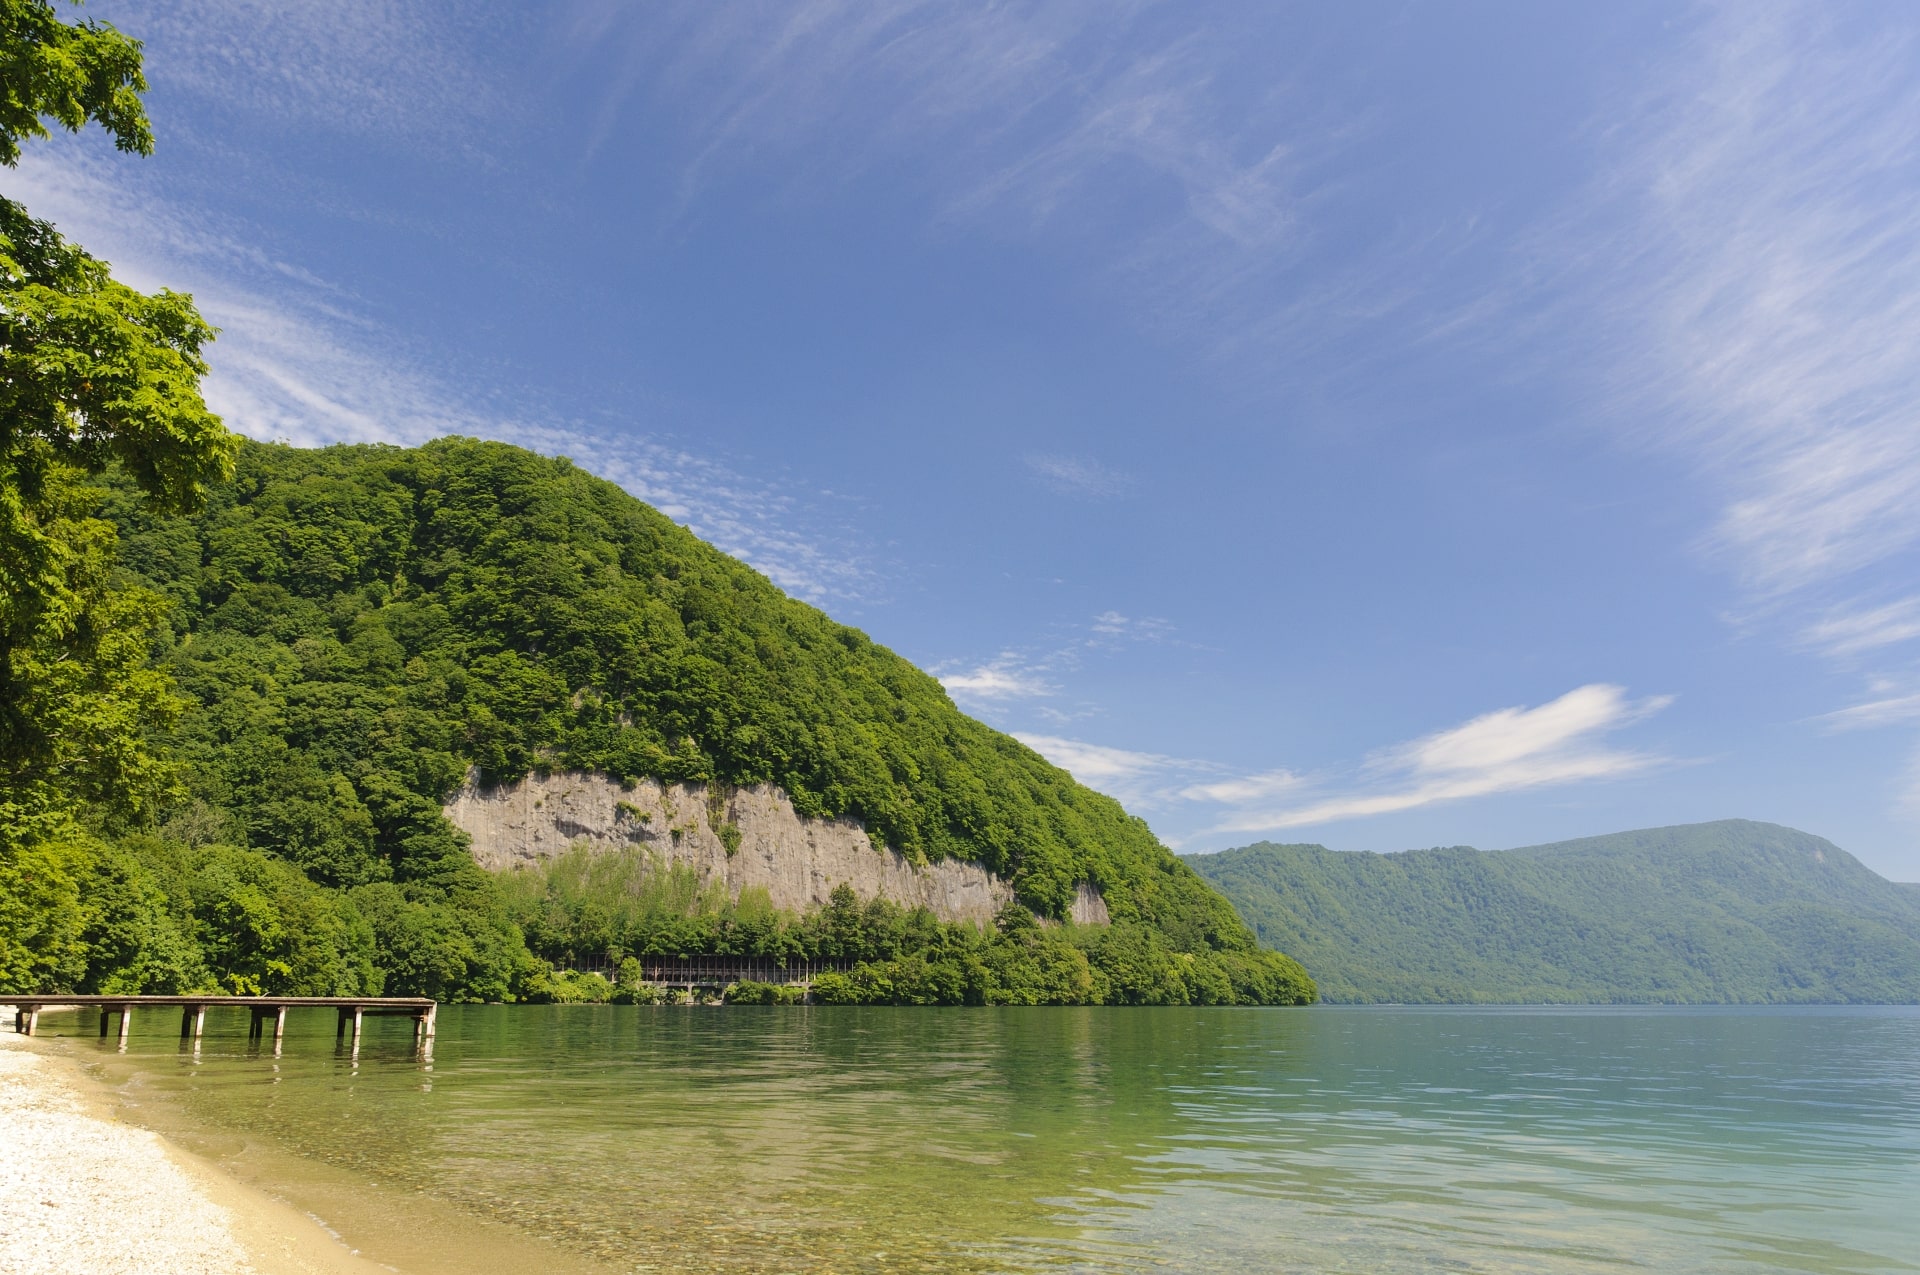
351, 1010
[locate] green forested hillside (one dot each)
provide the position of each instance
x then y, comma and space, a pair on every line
1718, 912
355, 627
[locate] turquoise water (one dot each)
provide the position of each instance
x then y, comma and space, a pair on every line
1330, 1139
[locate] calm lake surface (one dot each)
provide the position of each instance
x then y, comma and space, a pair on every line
1329, 1139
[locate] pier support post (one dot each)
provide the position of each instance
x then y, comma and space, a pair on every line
126, 1015
261, 1013
26, 1021
357, 1012
106, 1012
193, 1021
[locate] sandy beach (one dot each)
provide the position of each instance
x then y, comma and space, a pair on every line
82, 1192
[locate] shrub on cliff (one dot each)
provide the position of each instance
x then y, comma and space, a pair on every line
749, 992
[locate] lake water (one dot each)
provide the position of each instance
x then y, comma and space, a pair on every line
1329, 1139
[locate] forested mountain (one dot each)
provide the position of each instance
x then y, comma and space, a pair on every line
1733, 911
356, 627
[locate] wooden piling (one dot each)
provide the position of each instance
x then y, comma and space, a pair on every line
353, 1012
423, 1025
193, 1021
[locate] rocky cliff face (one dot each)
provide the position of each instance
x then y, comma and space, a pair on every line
743, 837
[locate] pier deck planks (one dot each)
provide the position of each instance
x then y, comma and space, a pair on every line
193, 1011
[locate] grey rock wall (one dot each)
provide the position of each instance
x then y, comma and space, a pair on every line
799, 861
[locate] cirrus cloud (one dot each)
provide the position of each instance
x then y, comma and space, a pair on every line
1078, 476
1506, 750
1004, 678
302, 361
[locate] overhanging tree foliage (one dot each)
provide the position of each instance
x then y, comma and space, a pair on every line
71, 73
91, 372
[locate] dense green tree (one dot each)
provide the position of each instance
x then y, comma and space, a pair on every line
138, 939
79, 696
608, 908
43, 921
71, 73
91, 372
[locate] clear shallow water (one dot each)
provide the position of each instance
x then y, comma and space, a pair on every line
1331, 1139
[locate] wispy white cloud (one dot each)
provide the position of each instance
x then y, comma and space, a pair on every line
1111, 626
1890, 711
299, 360
375, 69
1144, 781
1078, 476
1170, 162
1139, 780
1749, 268
1242, 789
1763, 286
1907, 797
1508, 750
1008, 677
1854, 631
1036, 673
296, 359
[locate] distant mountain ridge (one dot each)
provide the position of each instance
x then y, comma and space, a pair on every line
1727, 912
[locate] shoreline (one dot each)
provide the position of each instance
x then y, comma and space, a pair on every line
82, 1189
139, 1183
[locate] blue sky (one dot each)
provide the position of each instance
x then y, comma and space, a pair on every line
1387, 426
